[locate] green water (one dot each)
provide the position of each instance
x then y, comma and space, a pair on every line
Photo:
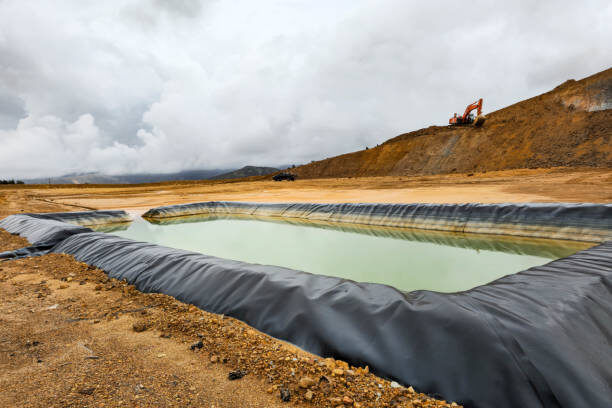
407, 260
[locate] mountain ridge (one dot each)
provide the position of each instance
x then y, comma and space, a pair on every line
137, 178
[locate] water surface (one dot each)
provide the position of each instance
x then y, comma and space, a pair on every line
404, 258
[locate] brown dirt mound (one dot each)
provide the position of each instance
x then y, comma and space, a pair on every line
568, 126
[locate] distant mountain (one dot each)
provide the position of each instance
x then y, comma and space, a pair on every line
98, 178
246, 171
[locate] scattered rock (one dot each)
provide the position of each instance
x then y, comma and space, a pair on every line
286, 371
285, 394
306, 382
324, 384
236, 375
394, 384
87, 391
98, 287
139, 327
309, 395
161, 355
63, 286
329, 363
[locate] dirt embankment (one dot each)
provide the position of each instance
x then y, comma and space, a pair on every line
568, 126
70, 336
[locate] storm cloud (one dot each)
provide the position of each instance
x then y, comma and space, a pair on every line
159, 86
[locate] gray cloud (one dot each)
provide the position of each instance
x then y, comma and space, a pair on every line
11, 109
152, 85
183, 8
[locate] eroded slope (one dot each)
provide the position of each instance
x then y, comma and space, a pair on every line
568, 126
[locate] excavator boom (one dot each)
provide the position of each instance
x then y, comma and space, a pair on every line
471, 107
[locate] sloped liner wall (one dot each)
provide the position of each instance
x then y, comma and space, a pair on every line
537, 338
46, 230
578, 222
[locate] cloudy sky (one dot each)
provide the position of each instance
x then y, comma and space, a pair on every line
128, 86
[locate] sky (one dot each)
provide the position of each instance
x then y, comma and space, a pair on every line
132, 86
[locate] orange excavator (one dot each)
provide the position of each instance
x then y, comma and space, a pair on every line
467, 117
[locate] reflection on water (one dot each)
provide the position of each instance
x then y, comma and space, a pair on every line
117, 226
407, 259
546, 248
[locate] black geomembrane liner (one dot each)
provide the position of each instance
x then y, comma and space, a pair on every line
538, 338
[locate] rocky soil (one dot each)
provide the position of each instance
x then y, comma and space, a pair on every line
70, 336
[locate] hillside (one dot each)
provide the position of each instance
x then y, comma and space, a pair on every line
568, 126
246, 171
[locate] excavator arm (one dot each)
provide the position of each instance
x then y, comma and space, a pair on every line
471, 107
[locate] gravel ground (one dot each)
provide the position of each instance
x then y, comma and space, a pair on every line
72, 337
10, 242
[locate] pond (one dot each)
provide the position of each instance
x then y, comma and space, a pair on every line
406, 259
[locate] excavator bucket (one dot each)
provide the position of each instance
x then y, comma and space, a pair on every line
480, 119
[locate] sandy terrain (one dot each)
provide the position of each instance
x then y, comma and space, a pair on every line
540, 185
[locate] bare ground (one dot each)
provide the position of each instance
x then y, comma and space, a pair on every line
539, 185
67, 333
72, 337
